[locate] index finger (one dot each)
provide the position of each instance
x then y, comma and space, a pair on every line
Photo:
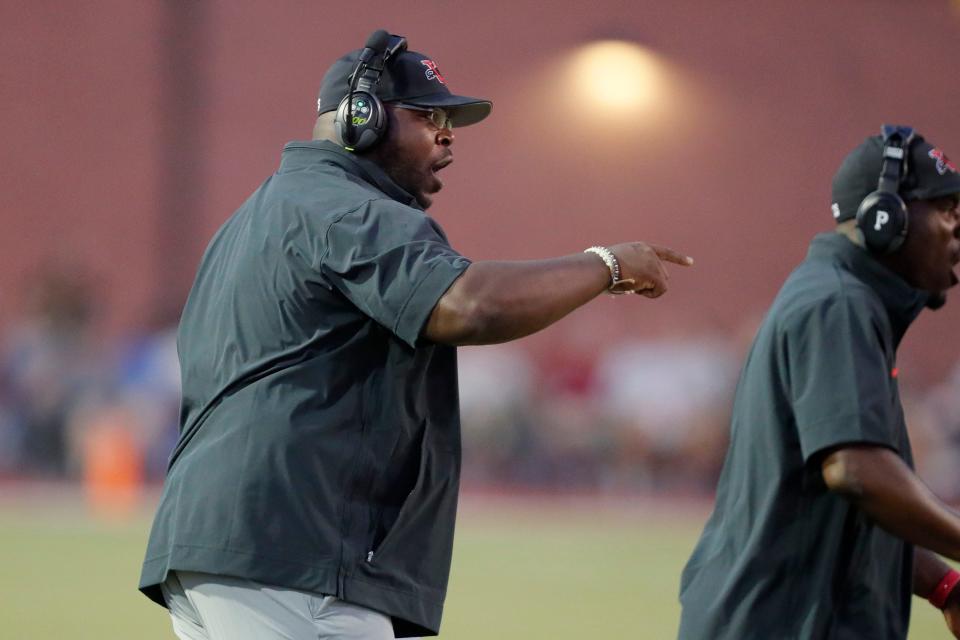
668, 254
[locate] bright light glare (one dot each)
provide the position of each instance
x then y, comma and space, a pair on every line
616, 76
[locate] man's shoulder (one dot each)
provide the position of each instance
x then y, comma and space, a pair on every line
819, 287
321, 194
325, 184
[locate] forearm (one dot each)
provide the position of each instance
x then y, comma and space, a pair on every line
911, 512
928, 570
887, 490
497, 301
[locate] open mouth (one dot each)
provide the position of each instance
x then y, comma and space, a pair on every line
442, 164
437, 167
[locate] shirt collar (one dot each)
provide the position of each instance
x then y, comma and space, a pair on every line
301, 154
902, 301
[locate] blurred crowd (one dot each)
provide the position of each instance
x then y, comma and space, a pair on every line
72, 405
645, 415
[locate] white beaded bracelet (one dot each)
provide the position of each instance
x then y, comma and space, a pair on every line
611, 261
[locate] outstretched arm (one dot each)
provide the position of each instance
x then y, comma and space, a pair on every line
496, 301
879, 482
876, 480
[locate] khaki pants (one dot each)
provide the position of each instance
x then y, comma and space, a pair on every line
211, 607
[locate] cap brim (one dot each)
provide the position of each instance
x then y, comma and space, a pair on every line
945, 188
463, 111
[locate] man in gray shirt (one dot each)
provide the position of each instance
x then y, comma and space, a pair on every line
821, 529
313, 490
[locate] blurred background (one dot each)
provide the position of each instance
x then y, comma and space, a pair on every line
132, 130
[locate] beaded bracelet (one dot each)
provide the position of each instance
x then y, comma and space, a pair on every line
617, 286
612, 263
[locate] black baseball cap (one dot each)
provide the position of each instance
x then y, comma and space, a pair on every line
409, 77
929, 174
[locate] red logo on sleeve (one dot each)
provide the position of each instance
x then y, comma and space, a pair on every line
943, 162
432, 72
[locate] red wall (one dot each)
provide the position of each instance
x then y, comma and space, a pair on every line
132, 129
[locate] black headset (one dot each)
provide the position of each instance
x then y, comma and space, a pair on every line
361, 119
882, 216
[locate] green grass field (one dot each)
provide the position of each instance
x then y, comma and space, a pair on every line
522, 569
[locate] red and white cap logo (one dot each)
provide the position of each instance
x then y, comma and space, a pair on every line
432, 72
943, 162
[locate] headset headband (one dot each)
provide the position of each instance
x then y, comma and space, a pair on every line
380, 47
882, 215
896, 145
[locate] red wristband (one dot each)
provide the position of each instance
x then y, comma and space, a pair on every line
939, 596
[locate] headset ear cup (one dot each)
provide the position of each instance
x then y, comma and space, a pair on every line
882, 219
369, 121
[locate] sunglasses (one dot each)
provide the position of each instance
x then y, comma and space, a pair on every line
437, 116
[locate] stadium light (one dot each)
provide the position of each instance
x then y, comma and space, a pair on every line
616, 78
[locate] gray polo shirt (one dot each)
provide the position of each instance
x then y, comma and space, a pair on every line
782, 556
320, 435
